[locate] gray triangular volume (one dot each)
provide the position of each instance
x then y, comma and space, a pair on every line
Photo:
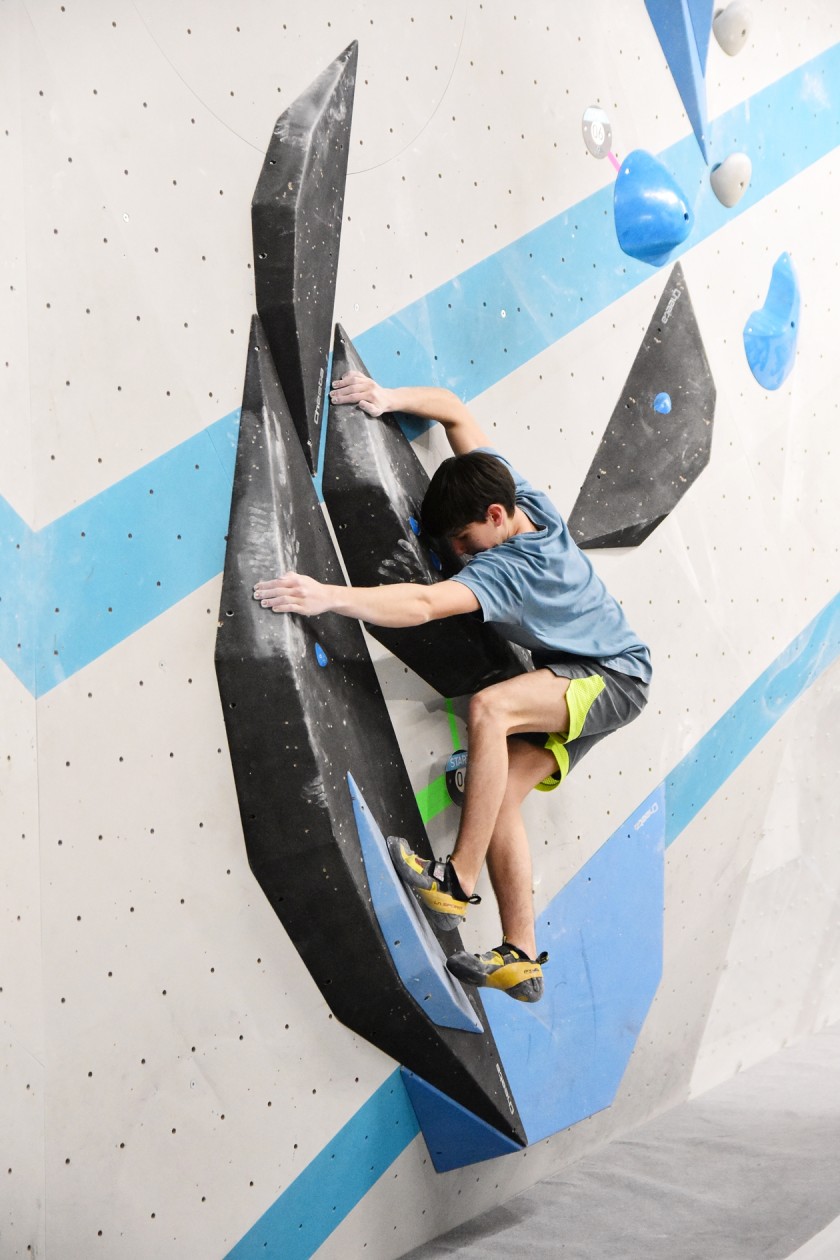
373, 487
296, 221
659, 437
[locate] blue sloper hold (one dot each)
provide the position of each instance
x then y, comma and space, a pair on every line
650, 455
652, 215
417, 955
677, 24
565, 1055
771, 333
454, 1136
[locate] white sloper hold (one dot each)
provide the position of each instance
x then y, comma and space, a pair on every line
731, 179
732, 26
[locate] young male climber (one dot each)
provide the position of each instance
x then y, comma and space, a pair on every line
526, 576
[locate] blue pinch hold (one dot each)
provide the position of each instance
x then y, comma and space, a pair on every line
771, 333
662, 404
321, 656
652, 215
415, 524
436, 560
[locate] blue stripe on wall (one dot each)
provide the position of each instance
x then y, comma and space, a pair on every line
18, 647
571, 268
319, 1199
687, 789
548, 283
124, 557
693, 782
82, 584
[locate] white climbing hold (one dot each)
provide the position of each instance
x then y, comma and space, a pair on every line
732, 26
731, 179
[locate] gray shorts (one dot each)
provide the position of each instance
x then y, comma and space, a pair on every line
600, 700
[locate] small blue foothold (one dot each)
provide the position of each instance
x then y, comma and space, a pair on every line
321, 656
435, 559
771, 334
662, 404
415, 524
652, 215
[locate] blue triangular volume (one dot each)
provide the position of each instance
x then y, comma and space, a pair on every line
454, 1136
413, 946
565, 1056
677, 23
701, 21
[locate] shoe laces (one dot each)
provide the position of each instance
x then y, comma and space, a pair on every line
508, 947
447, 876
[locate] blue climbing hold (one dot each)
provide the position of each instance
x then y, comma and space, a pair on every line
415, 524
321, 656
662, 404
436, 561
771, 333
652, 215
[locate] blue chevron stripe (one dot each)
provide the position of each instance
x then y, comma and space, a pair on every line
107, 585
694, 781
85, 582
20, 576
318, 1200
569, 269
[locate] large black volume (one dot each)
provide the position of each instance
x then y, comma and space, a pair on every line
296, 222
373, 487
659, 437
302, 707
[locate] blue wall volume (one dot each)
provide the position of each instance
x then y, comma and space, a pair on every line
683, 28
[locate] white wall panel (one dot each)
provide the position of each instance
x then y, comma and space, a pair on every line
168, 1067
22, 1042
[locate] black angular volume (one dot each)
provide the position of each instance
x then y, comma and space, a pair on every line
296, 222
659, 437
302, 708
373, 487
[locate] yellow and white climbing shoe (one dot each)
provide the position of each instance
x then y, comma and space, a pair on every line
506, 967
434, 884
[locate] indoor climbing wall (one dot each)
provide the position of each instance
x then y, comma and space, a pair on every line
610, 232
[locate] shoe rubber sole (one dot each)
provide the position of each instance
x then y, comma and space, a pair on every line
441, 908
520, 978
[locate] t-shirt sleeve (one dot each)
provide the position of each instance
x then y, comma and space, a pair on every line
486, 576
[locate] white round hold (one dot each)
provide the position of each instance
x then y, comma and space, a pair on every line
732, 26
731, 179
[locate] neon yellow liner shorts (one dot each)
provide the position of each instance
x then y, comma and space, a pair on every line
600, 701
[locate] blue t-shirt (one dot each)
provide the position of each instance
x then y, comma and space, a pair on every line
540, 590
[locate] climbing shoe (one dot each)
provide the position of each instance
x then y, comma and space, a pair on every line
506, 967
434, 884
